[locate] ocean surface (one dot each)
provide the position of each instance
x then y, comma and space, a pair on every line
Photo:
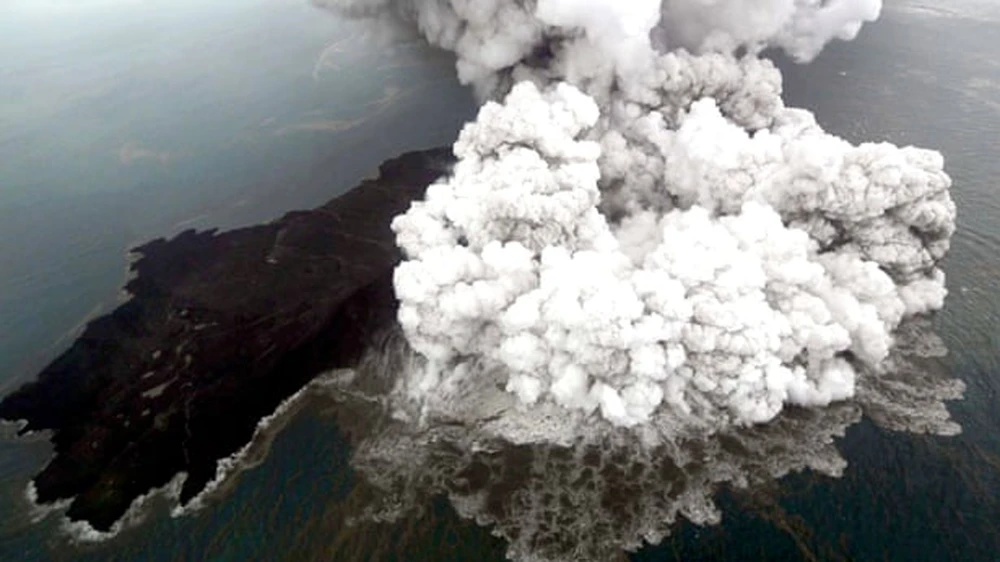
122, 121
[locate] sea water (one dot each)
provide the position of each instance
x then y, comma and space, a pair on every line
241, 123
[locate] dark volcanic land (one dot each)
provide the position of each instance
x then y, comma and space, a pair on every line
220, 329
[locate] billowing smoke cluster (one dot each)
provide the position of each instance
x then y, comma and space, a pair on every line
638, 230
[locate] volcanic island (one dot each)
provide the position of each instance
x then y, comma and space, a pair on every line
219, 330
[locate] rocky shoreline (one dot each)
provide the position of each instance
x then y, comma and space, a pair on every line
220, 330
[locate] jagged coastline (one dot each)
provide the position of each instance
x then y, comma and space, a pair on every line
221, 330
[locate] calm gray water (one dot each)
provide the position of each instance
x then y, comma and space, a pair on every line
120, 121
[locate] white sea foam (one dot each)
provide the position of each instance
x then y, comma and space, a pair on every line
10, 429
136, 514
255, 451
247, 457
39, 511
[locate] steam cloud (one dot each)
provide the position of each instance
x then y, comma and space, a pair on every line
639, 230
591, 499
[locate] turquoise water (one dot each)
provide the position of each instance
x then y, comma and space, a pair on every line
225, 120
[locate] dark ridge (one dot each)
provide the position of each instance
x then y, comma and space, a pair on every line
221, 328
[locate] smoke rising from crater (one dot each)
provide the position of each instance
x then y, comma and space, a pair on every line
639, 232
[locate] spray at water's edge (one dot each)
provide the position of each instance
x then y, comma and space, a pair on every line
590, 498
251, 455
84, 532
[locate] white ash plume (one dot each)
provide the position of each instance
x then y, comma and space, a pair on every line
639, 233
